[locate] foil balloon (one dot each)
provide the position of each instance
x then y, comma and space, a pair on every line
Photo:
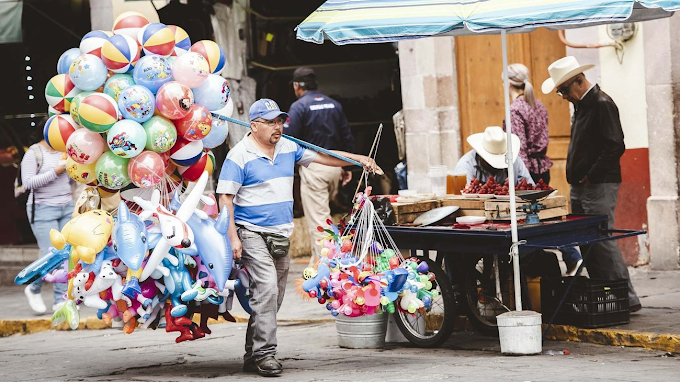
87, 233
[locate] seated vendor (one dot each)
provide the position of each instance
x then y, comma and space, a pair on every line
487, 157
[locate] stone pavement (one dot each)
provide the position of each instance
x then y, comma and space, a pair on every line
656, 326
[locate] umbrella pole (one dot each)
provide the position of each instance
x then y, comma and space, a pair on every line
514, 250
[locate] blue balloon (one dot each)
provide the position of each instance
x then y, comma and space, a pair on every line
213, 93
152, 72
66, 59
217, 135
137, 103
88, 72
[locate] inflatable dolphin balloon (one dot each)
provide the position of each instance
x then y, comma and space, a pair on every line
213, 244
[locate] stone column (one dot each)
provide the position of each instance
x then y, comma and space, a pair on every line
101, 14
662, 72
430, 100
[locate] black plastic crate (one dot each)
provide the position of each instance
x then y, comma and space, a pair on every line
591, 303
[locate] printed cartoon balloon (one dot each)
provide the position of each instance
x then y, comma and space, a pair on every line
213, 93
66, 59
185, 153
93, 41
217, 135
146, 169
81, 173
85, 146
87, 72
137, 103
126, 138
190, 69
120, 53
182, 41
129, 24
59, 92
161, 134
195, 125
152, 72
174, 100
57, 130
212, 53
112, 171
87, 233
116, 84
98, 112
157, 38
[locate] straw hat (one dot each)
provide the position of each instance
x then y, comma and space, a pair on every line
562, 70
492, 145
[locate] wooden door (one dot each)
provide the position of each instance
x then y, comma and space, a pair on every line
480, 88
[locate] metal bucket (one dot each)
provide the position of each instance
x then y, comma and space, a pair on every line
520, 332
363, 332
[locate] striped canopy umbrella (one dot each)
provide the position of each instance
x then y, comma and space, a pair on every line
374, 21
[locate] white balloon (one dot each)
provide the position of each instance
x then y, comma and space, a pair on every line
227, 110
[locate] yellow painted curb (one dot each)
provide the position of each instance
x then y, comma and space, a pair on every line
616, 337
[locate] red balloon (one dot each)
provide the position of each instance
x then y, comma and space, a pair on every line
323, 283
174, 100
195, 125
146, 169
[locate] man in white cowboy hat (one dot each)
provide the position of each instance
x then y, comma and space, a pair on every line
487, 157
593, 162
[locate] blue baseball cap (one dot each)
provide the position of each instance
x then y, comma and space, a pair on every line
265, 108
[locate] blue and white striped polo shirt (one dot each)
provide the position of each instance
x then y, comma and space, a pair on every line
263, 188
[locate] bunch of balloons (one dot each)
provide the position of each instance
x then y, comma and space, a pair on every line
133, 107
156, 269
382, 282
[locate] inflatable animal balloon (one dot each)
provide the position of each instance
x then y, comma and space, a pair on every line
88, 233
130, 242
213, 244
43, 265
89, 295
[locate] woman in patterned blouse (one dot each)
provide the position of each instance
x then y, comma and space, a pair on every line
530, 123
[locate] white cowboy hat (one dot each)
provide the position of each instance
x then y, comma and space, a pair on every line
562, 70
492, 145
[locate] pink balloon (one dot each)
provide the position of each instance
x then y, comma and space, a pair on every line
174, 100
85, 146
190, 69
146, 169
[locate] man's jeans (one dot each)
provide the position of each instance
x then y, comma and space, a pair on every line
47, 218
603, 259
268, 277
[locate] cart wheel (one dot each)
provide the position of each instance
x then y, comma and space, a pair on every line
430, 327
479, 284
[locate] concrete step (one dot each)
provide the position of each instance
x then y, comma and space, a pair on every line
15, 258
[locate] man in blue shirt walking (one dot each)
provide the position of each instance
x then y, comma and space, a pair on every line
256, 185
318, 119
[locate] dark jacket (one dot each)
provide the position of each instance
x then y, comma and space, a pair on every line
596, 140
319, 120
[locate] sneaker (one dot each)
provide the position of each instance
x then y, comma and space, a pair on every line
572, 271
268, 367
35, 300
56, 306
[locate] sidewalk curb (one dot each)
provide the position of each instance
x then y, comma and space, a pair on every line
611, 337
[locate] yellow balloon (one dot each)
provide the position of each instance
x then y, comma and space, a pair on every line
88, 234
81, 173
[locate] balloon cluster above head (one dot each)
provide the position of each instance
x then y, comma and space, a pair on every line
139, 90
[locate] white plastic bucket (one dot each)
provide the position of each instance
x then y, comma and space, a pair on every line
520, 332
363, 332
437, 175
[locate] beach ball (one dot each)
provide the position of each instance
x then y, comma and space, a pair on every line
59, 92
146, 169
193, 172
212, 53
185, 153
98, 112
126, 138
88, 72
190, 69
66, 59
174, 100
129, 24
137, 103
219, 131
195, 125
120, 53
52, 112
161, 134
85, 146
213, 93
117, 83
152, 72
112, 171
57, 130
157, 38
182, 41
75, 106
81, 173
93, 41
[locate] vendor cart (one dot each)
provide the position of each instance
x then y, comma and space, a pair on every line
476, 262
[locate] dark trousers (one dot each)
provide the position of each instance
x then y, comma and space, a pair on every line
603, 259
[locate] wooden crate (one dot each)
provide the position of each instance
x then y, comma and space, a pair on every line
408, 212
468, 206
555, 206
